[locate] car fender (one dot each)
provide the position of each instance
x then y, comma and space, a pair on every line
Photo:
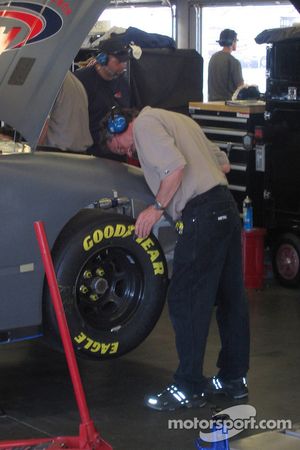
48, 187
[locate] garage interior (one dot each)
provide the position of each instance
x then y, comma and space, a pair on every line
37, 398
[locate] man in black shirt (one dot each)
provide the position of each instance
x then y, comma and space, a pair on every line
106, 85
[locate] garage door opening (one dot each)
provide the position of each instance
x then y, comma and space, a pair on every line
248, 22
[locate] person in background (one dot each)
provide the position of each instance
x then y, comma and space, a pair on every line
185, 172
106, 86
67, 127
224, 70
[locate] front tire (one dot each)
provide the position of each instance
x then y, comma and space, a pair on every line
113, 285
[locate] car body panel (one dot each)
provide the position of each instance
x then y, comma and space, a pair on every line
53, 188
38, 41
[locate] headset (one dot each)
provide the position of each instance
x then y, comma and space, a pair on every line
102, 58
117, 122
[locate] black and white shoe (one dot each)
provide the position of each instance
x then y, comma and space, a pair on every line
173, 397
235, 389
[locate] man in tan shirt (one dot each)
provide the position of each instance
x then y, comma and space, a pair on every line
185, 172
67, 126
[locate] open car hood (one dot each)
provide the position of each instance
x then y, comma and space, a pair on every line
38, 41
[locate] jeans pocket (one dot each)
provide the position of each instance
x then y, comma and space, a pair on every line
220, 219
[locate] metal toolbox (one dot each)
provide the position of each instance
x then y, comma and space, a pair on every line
231, 127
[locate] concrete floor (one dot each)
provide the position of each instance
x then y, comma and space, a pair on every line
37, 399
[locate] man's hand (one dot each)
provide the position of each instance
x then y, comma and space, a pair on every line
167, 189
145, 221
225, 168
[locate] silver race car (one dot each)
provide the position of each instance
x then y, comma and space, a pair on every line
113, 285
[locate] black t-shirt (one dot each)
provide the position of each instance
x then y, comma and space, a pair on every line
102, 96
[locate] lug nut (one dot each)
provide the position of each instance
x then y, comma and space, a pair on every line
87, 274
83, 289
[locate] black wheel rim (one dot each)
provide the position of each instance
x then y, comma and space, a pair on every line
109, 288
287, 261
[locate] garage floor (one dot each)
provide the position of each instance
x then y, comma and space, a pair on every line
37, 399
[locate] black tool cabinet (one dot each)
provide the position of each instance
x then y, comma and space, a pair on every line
232, 128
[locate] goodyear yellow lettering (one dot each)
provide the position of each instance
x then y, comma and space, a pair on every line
80, 338
89, 343
87, 243
104, 348
119, 230
154, 254
148, 243
129, 231
158, 268
114, 347
97, 236
95, 347
109, 231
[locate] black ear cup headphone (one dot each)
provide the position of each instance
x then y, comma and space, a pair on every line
117, 122
102, 58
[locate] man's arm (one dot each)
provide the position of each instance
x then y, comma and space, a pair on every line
238, 78
166, 192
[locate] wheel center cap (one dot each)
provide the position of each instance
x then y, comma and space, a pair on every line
99, 285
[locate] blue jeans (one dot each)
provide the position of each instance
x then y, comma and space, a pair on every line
207, 271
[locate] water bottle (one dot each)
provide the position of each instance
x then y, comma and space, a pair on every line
247, 214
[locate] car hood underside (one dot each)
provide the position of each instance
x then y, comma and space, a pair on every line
38, 41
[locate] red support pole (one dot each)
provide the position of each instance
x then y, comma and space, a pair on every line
62, 322
89, 437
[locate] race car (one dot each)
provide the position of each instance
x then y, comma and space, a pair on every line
113, 284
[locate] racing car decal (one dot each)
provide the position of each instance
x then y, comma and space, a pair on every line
38, 41
38, 22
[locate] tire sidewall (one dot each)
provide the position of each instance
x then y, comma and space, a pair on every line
77, 245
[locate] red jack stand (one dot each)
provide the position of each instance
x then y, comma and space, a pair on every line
89, 438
